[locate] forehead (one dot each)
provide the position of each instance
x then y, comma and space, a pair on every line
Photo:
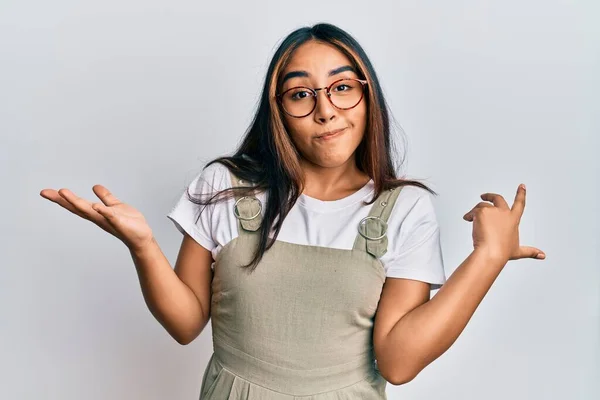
317, 58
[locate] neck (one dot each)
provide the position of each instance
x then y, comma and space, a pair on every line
332, 183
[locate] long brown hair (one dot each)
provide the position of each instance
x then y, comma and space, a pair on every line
268, 158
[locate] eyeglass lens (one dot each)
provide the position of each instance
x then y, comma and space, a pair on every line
300, 101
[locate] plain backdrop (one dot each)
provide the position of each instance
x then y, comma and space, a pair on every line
139, 95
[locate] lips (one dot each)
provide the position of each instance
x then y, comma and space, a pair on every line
330, 134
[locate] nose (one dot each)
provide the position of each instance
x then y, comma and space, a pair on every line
324, 110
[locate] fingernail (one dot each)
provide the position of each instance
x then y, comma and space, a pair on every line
523, 186
541, 256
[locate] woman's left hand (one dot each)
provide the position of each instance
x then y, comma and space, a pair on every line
496, 228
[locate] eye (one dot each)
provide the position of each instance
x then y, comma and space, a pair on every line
299, 94
344, 86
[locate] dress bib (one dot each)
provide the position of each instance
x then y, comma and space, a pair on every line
300, 325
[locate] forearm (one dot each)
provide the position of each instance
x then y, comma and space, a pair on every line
426, 332
168, 298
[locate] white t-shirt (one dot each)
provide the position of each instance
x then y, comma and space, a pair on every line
414, 250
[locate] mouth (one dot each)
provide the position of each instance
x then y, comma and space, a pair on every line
330, 134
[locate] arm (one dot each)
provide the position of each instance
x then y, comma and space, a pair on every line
179, 299
410, 336
411, 331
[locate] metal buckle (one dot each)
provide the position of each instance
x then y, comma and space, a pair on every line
384, 224
238, 216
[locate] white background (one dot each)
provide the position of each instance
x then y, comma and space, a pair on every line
138, 95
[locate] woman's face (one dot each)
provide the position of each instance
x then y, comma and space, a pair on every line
314, 65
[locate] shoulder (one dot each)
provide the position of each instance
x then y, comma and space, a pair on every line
213, 177
416, 201
414, 215
415, 239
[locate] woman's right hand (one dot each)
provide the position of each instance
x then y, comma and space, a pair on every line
119, 219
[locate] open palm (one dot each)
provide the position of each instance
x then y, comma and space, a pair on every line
115, 217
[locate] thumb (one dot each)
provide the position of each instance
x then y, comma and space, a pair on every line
531, 252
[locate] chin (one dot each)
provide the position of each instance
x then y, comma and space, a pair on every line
331, 162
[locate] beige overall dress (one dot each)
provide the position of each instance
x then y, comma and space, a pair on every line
300, 326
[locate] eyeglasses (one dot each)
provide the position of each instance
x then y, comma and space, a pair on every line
343, 94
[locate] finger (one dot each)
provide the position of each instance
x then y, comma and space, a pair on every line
59, 199
105, 195
469, 216
85, 210
496, 199
519, 204
83, 206
55, 197
104, 211
531, 252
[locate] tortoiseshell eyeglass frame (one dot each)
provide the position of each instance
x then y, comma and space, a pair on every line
279, 96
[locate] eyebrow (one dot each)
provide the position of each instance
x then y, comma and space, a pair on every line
335, 71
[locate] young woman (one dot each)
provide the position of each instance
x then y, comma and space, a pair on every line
312, 259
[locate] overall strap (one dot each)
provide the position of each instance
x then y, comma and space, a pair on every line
372, 230
247, 209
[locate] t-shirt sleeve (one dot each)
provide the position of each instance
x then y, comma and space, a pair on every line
196, 219
417, 253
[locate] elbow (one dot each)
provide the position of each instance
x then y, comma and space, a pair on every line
398, 378
183, 341
402, 380
183, 338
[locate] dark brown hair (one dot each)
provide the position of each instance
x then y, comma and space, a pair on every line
268, 158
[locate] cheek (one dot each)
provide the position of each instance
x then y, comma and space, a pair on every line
300, 130
358, 120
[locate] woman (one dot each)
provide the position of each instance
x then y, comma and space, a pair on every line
312, 259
